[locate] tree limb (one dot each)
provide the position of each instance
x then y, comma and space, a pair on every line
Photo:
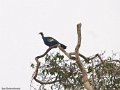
69, 55
82, 68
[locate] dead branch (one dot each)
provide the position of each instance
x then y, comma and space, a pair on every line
97, 55
76, 57
46, 52
82, 68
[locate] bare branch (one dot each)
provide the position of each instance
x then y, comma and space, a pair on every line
46, 52
97, 55
82, 68
76, 57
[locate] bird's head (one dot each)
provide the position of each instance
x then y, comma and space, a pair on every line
41, 33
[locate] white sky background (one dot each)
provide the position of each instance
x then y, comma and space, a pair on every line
22, 20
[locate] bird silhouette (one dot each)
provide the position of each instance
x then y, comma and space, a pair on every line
49, 41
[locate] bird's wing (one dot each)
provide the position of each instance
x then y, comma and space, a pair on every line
50, 39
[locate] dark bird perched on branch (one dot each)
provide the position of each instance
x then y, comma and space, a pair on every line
49, 41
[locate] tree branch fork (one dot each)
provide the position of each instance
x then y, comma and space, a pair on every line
72, 55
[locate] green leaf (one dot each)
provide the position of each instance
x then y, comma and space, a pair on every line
52, 72
61, 73
45, 71
89, 69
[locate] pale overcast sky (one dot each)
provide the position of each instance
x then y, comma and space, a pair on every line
22, 20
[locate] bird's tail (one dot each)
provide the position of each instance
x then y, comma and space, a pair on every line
63, 46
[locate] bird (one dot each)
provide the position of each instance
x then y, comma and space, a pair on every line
49, 41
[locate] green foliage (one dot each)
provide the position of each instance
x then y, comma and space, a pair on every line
106, 75
66, 71
32, 65
89, 69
